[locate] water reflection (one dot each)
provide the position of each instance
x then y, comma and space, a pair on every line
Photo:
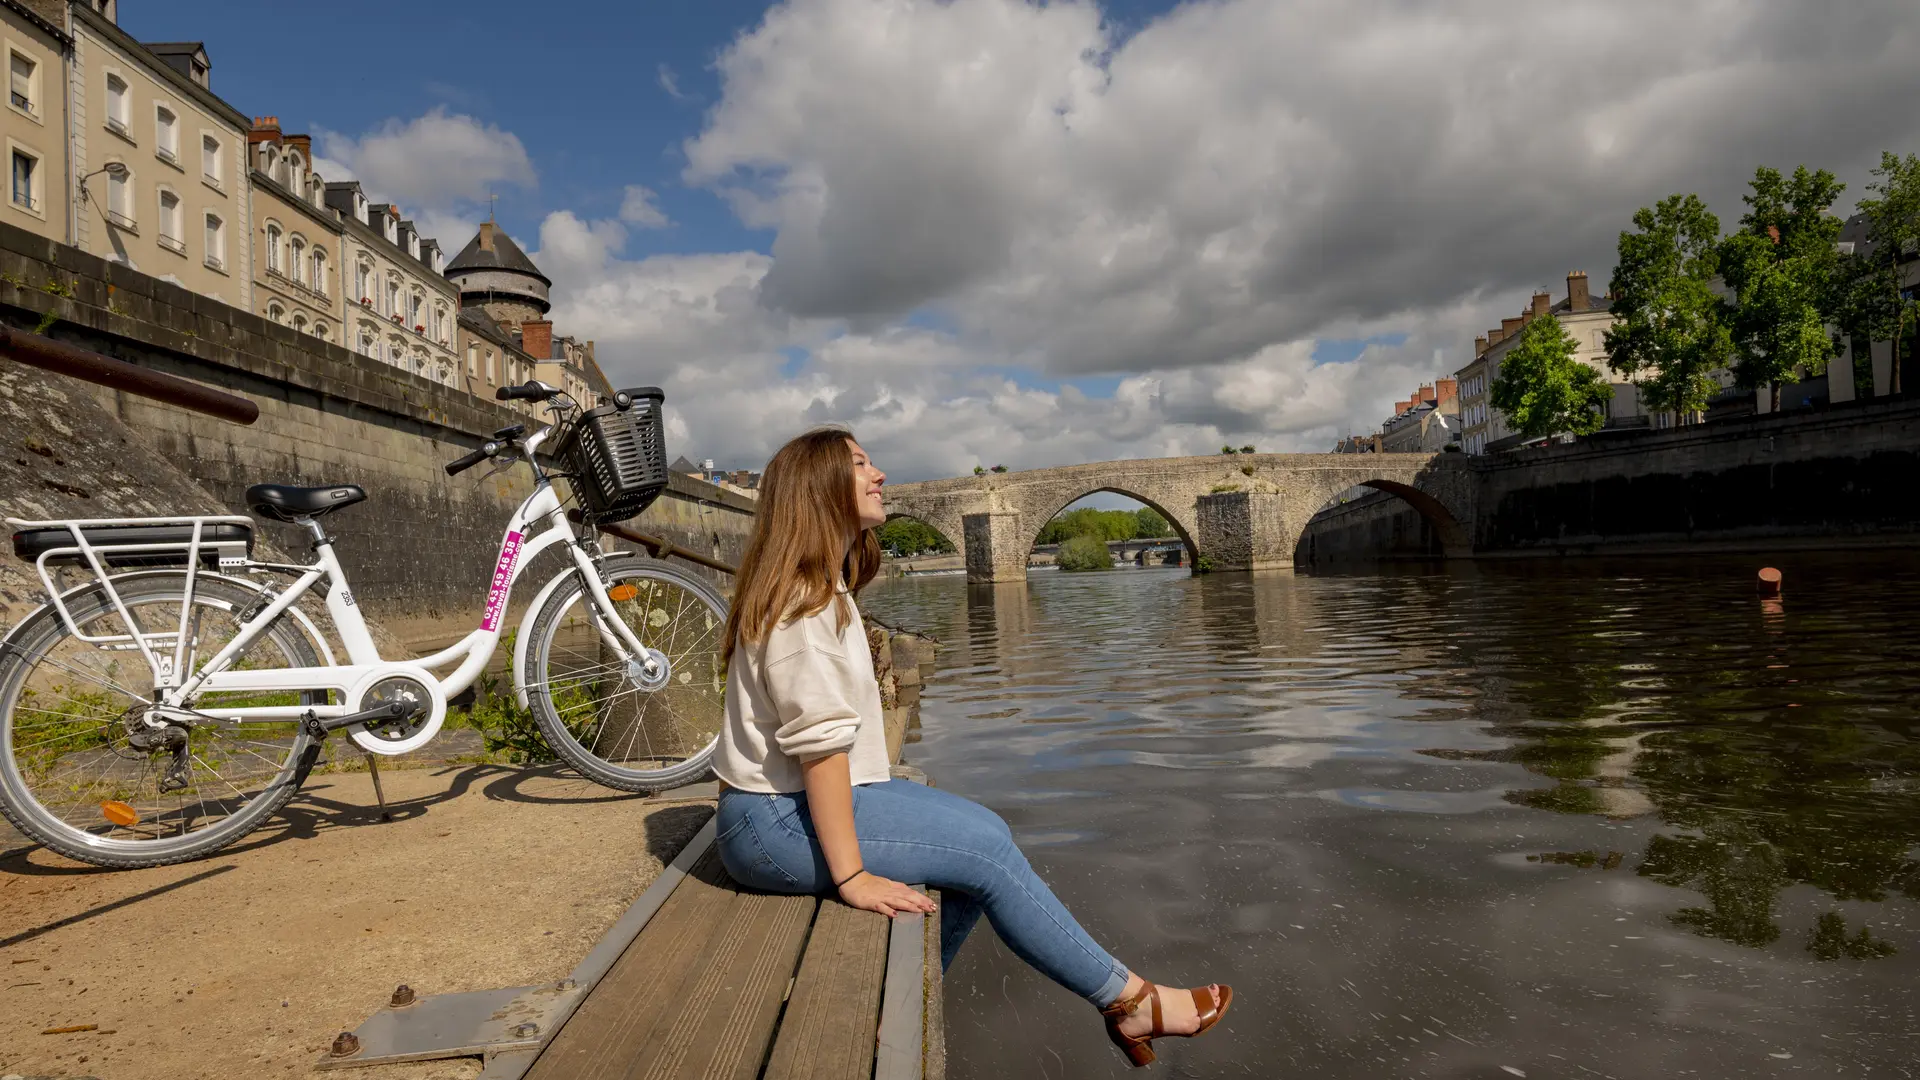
1610, 802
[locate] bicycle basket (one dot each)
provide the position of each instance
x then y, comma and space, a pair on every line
619, 458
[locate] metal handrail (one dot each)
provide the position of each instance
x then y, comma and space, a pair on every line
58, 356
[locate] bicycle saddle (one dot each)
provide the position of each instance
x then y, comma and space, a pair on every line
283, 502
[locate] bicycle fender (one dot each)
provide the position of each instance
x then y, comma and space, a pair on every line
47, 610
525, 632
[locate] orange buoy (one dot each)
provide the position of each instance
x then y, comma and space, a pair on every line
119, 813
1769, 581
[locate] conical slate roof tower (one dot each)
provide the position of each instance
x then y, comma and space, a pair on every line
496, 276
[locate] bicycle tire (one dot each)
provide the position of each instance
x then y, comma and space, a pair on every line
36, 637
693, 696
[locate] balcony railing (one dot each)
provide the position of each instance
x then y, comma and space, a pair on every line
173, 243
167, 156
25, 201
22, 101
114, 125
121, 220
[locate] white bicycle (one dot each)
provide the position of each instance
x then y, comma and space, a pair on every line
176, 698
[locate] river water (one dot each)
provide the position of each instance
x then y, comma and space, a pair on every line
1541, 818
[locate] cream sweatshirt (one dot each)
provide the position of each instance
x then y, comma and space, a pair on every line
805, 692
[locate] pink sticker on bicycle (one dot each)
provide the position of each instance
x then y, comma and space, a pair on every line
502, 582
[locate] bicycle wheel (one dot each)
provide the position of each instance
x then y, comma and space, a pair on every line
81, 769
611, 720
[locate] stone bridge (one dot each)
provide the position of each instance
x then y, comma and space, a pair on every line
1233, 511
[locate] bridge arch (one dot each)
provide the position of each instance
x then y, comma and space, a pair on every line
1453, 538
951, 534
1035, 519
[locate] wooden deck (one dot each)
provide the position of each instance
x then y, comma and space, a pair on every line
722, 983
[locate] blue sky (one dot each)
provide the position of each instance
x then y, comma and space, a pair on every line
1000, 231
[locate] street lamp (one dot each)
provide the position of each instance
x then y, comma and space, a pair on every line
115, 169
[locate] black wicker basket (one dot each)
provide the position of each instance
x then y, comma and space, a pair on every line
618, 457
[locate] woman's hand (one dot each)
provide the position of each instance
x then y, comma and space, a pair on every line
871, 892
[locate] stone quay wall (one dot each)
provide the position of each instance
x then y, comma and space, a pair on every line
421, 549
1840, 477
1845, 476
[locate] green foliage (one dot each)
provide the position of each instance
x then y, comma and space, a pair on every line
998, 469
1246, 470
505, 727
1673, 331
1149, 525
1544, 390
1086, 521
1203, 565
1228, 450
1084, 552
1829, 941
1783, 271
979, 470
1869, 300
905, 536
1247, 449
1222, 489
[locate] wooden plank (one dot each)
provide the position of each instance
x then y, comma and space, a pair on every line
934, 1055
599, 1041
833, 1015
720, 1021
903, 1002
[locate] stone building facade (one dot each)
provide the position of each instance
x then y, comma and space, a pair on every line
399, 306
34, 124
505, 298
176, 202
296, 236
1586, 318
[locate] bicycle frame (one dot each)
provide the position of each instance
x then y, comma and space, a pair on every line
350, 681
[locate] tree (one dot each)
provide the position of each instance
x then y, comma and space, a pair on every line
1103, 525
1873, 304
1543, 389
1084, 553
909, 537
1247, 449
1673, 331
979, 470
1149, 525
1782, 269
998, 469
1228, 450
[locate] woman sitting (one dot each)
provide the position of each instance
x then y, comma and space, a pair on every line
806, 801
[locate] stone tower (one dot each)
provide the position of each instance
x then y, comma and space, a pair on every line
497, 277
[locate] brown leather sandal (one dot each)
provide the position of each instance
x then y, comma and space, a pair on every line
1139, 1048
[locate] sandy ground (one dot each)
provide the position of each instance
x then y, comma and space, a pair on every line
246, 964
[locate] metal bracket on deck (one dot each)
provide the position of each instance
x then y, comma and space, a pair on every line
506, 1026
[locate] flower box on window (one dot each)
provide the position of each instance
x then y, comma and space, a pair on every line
419, 328
366, 301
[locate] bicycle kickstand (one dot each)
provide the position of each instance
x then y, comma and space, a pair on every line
373, 768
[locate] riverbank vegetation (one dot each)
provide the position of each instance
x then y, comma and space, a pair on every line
906, 537
1141, 524
1084, 552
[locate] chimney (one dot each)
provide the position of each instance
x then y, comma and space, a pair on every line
266, 123
1542, 302
536, 337
1425, 393
1444, 391
486, 236
1510, 327
1578, 298
1480, 343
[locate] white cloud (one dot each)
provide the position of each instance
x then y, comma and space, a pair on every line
1244, 172
671, 85
433, 160
976, 203
639, 208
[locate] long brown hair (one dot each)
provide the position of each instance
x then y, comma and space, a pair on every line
798, 550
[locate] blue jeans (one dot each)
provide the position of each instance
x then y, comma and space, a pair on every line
913, 833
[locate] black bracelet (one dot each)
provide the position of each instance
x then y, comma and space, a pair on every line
849, 877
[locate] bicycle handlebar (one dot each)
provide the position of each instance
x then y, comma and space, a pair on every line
528, 391
455, 468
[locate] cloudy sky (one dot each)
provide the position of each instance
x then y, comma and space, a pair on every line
993, 231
